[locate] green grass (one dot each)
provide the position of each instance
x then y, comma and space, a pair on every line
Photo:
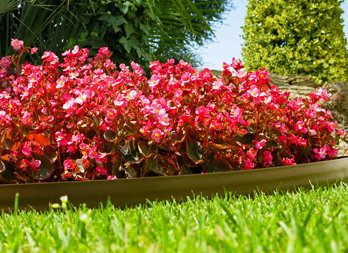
305, 221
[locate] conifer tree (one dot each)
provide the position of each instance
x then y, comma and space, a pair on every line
296, 37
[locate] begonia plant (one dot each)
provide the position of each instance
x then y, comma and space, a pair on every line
83, 118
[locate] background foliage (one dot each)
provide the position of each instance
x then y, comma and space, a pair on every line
134, 30
296, 37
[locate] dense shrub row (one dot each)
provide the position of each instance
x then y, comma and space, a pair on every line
84, 119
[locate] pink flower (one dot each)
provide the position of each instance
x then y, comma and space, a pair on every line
103, 51
254, 91
60, 82
69, 164
300, 126
34, 164
5, 62
5, 119
321, 153
154, 64
260, 144
132, 95
95, 155
27, 118
16, 44
137, 69
267, 157
156, 135
69, 104
77, 138
320, 94
60, 139
111, 114
185, 78
236, 113
111, 177
81, 99
236, 64
289, 161
3, 73
120, 101
50, 57
101, 171
75, 50
248, 165
153, 82
24, 164
323, 94
33, 50
251, 153
217, 84
26, 150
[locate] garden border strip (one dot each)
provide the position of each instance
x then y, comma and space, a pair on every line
130, 192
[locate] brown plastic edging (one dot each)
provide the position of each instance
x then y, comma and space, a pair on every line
130, 192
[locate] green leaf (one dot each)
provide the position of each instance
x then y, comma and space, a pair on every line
129, 29
291, 38
125, 44
114, 21
8, 5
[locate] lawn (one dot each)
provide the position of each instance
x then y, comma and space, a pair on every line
305, 221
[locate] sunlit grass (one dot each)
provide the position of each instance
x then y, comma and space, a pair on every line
305, 221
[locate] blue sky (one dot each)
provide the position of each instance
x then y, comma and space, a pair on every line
227, 43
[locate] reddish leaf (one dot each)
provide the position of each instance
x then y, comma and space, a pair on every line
79, 163
169, 165
194, 150
177, 139
5, 158
247, 139
2, 166
7, 143
154, 164
6, 172
45, 170
16, 146
220, 146
130, 171
218, 164
7, 138
40, 138
50, 152
130, 152
147, 149
110, 136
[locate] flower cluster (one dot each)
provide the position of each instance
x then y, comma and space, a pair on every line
84, 119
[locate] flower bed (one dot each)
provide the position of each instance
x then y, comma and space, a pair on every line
84, 119
130, 192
